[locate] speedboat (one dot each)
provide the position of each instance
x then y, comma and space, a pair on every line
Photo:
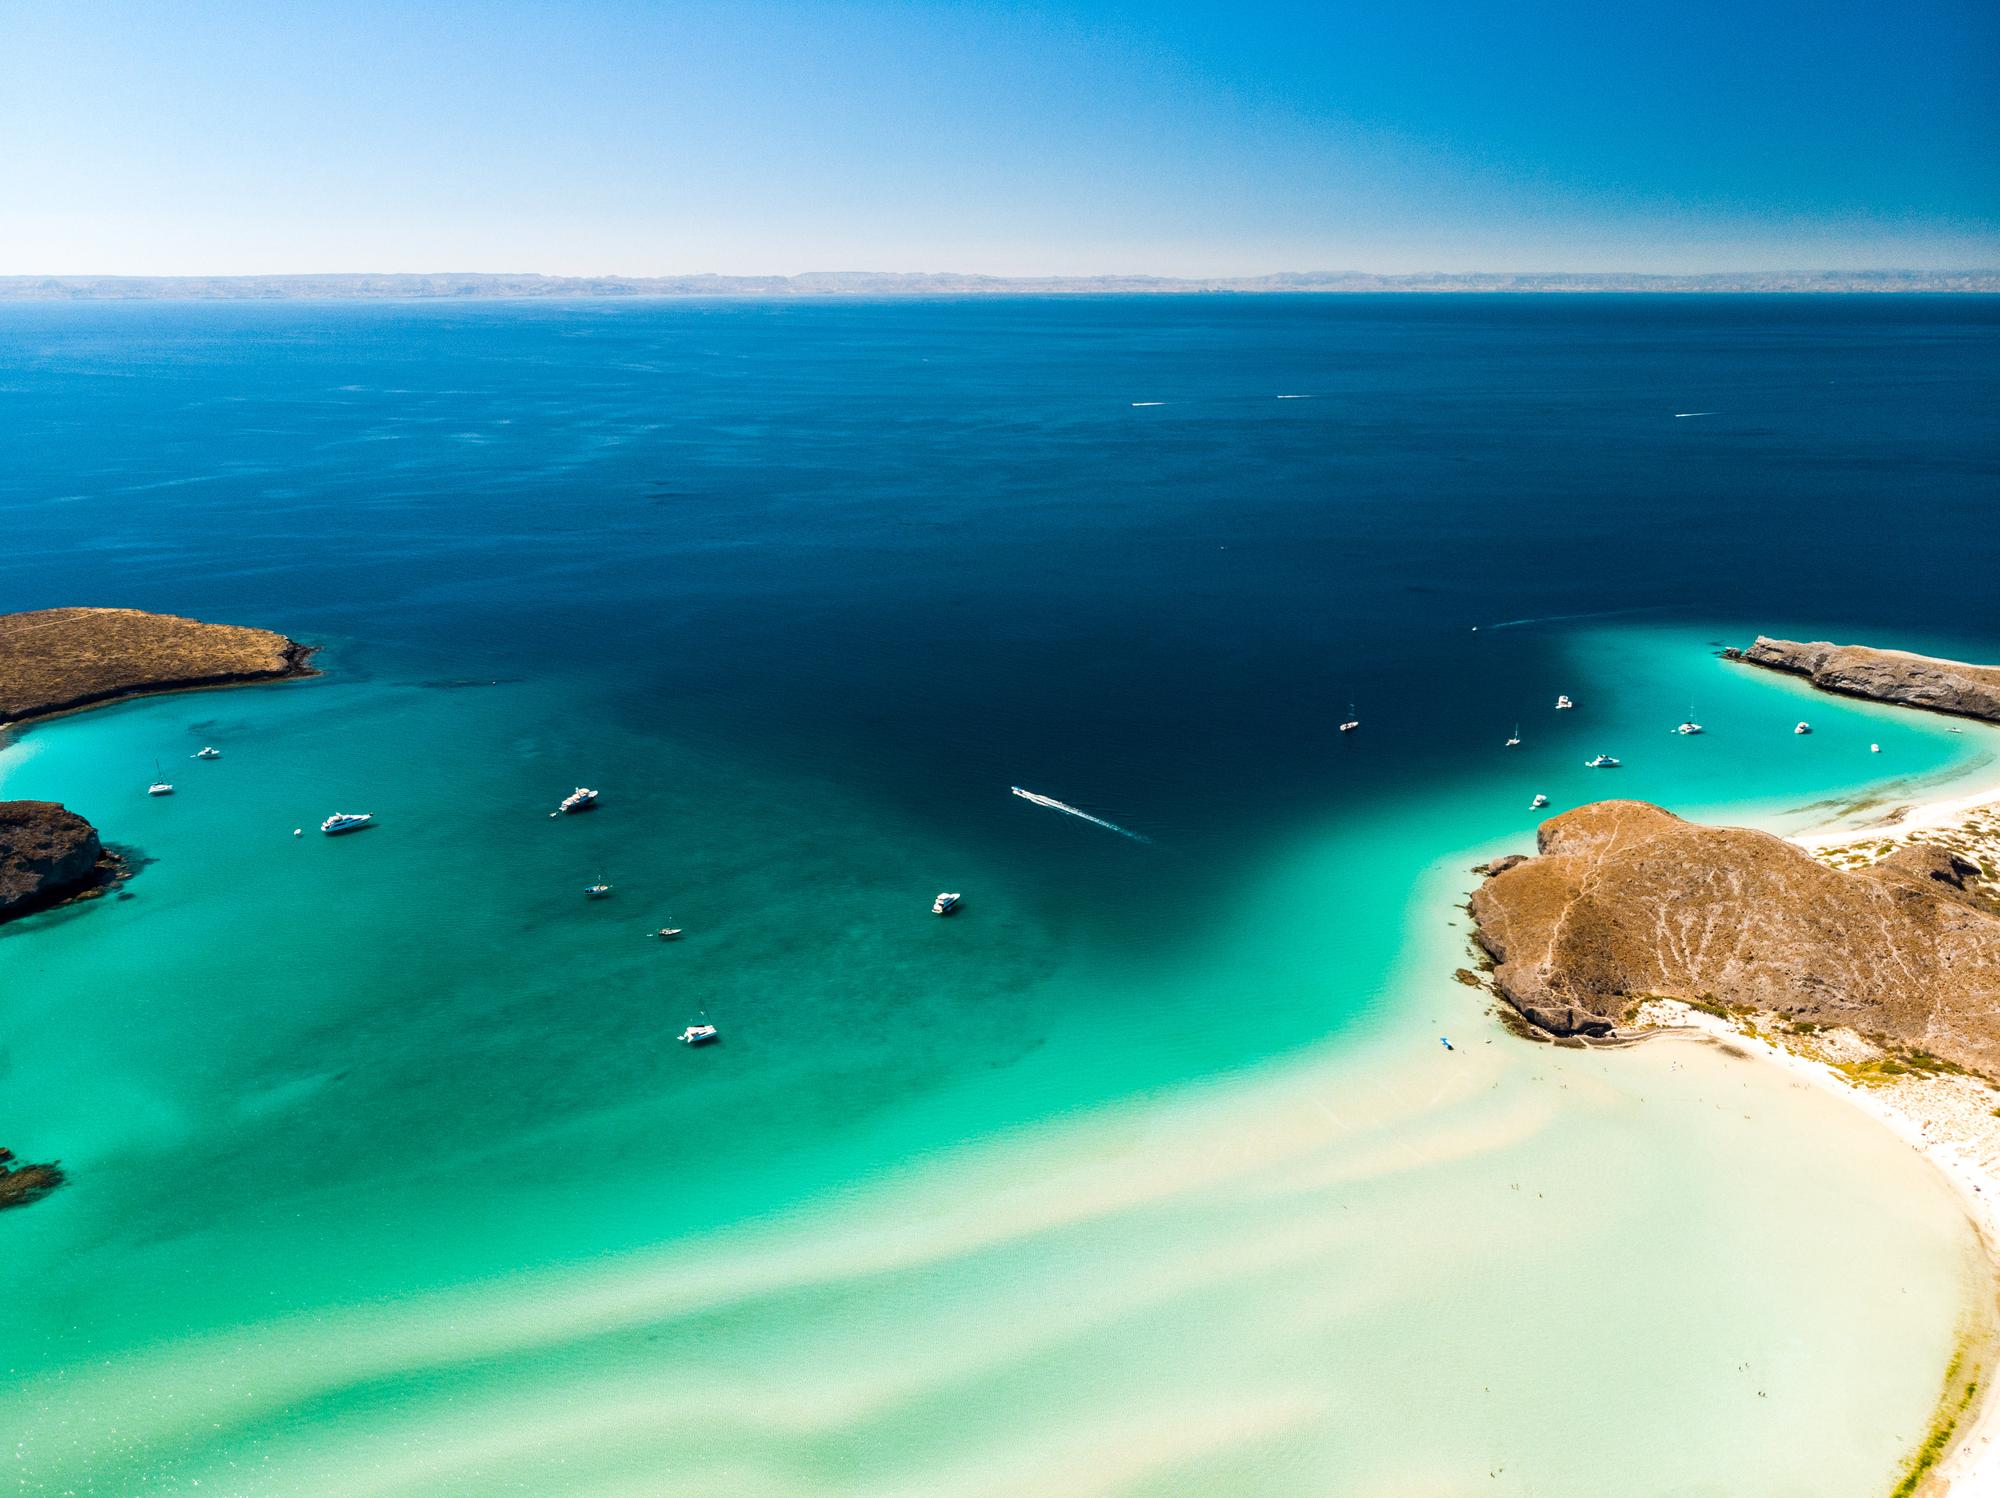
1563, 703
697, 1035
579, 799
1802, 727
1601, 762
208, 753
669, 933
596, 891
945, 904
1538, 803
159, 788
345, 821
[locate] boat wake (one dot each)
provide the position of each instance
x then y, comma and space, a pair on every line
1063, 806
1562, 618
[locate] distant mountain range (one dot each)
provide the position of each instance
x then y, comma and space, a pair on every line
901, 284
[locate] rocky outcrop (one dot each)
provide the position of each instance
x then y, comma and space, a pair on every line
21, 1184
47, 854
57, 660
1626, 902
1897, 676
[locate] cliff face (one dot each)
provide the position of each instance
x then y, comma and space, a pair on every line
46, 854
53, 660
1885, 675
1627, 901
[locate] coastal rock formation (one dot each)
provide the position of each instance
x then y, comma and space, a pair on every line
55, 660
21, 1184
1626, 901
47, 854
1884, 675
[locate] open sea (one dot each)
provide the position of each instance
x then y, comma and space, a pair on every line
1144, 1175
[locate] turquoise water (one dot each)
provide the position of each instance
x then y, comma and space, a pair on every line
1144, 1174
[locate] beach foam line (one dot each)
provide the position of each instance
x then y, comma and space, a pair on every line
1063, 806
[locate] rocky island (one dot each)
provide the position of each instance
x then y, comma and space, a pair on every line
1897, 676
58, 660
1626, 903
48, 854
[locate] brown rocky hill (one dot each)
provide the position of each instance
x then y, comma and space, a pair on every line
47, 853
1884, 675
1627, 901
54, 660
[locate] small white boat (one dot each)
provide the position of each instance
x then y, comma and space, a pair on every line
1352, 722
1874, 748
1538, 803
1563, 704
1802, 728
669, 933
1690, 727
945, 904
577, 800
1601, 762
697, 1035
345, 821
159, 788
596, 891
1515, 741
211, 752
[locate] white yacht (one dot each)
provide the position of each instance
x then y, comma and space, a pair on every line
1563, 704
577, 800
697, 1035
669, 933
1601, 762
211, 752
1538, 803
1690, 727
160, 788
1352, 722
345, 821
1802, 727
1874, 748
945, 904
596, 891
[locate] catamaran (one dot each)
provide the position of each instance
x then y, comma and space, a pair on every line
208, 753
1601, 762
1690, 726
345, 821
697, 1035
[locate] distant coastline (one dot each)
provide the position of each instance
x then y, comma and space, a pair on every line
875, 284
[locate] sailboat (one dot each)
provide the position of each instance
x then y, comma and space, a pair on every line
700, 1034
161, 786
1515, 741
1352, 722
1690, 726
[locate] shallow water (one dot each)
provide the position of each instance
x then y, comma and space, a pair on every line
1144, 1174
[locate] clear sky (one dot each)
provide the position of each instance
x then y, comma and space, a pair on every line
242, 136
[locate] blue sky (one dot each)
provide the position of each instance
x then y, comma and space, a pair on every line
613, 137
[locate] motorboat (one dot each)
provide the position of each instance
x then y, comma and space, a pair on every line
1802, 727
345, 821
1874, 748
945, 904
1563, 704
1601, 762
1352, 722
209, 752
1538, 803
697, 1035
580, 799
